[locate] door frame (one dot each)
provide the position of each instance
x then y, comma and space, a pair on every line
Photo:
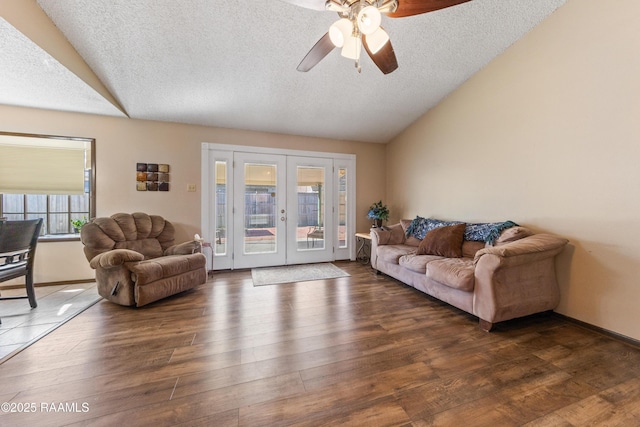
339, 159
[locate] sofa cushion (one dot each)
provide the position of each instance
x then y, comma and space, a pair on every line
410, 240
396, 235
392, 253
512, 234
457, 273
470, 247
150, 248
417, 263
445, 241
163, 267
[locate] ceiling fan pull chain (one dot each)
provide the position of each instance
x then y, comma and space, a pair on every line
359, 48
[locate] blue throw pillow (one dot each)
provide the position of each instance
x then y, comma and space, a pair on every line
482, 232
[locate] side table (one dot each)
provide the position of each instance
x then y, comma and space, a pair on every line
363, 243
208, 245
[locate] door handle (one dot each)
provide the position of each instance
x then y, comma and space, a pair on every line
281, 218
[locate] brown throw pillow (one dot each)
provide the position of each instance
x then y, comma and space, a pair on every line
443, 241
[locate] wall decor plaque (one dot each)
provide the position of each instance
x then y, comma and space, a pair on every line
152, 177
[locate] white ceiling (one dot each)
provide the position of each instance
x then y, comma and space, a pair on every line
232, 63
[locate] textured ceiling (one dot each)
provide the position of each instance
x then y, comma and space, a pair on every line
232, 63
30, 77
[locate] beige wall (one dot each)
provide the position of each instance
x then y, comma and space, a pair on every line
547, 135
121, 143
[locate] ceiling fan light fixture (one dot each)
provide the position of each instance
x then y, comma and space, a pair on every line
377, 40
340, 31
352, 47
336, 6
369, 20
360, 25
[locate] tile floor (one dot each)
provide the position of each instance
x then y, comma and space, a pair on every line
22, 325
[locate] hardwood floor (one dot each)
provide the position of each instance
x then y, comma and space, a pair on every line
363, 350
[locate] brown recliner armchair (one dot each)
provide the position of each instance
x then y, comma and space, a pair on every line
136, 260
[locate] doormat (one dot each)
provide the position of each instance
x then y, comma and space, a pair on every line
296, 273
257, 232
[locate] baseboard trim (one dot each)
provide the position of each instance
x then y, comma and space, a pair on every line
610, 334
37, 285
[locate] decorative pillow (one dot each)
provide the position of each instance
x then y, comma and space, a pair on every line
481, 232
512, 234
487, 232
435, 223
404, 223
444, 241
411, 241
419, 227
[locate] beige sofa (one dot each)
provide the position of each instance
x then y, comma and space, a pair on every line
137, 261
513, 277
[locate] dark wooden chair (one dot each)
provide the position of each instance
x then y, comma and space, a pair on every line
18, 240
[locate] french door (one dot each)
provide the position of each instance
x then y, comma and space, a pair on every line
262, 208
310, 227
259, 191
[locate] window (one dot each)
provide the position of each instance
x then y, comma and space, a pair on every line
49, 177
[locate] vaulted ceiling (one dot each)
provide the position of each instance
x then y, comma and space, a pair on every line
232, 63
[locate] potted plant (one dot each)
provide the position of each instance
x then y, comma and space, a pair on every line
378, 213
78, 223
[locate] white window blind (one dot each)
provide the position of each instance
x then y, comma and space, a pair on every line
27, 169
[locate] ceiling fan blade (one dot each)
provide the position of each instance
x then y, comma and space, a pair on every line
416, 7
321, 49
309, 4
385, 58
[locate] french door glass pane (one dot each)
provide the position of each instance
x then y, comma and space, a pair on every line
221, 208
260, 208
342, 208
311, 208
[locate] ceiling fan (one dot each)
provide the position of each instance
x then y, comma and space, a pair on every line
359, 26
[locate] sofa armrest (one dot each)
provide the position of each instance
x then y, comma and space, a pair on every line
380, 236
390, 235
114, 258
185, 248
516, 279
527, 249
